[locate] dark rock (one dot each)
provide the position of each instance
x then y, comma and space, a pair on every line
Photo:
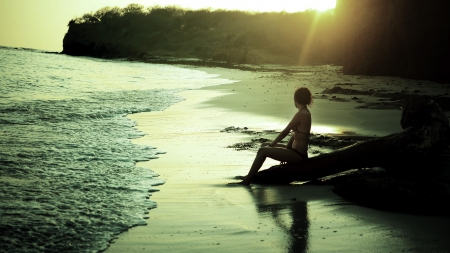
379, 189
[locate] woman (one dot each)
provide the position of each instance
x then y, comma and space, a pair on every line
296, 151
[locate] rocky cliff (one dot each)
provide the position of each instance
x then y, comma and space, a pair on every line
408, 38
91, 39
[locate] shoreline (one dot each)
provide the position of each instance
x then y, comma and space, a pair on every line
198, 212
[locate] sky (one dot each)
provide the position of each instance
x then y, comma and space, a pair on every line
42, 24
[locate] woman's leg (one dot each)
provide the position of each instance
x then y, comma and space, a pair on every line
279, 154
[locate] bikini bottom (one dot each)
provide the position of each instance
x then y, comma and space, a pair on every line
303, 156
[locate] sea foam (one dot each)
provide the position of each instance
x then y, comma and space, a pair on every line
67, 166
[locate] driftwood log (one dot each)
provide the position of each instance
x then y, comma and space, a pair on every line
411, 152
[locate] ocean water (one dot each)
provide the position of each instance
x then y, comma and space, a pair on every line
68, 180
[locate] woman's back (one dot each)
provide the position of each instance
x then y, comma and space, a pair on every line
302, 131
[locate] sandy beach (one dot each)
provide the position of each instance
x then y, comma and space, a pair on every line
198, 212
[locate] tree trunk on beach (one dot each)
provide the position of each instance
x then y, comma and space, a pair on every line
426, 135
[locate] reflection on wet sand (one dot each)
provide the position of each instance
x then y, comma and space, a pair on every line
291, 217
315, 220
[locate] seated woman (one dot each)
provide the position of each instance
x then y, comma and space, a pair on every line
296, 151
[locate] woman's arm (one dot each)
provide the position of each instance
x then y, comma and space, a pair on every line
265, 144
291, 140
296, 120
280, 137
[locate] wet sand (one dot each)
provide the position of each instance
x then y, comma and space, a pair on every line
198, 212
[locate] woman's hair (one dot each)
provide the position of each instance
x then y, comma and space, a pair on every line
303, 96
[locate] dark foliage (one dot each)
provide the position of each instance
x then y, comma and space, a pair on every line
229, 36
406, 38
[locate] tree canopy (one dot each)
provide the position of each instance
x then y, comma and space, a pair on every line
231, 35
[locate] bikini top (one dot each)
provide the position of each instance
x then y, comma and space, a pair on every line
295, 128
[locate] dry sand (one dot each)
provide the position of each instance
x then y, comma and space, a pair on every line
198, 212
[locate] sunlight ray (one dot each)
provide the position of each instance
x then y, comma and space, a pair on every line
309, 39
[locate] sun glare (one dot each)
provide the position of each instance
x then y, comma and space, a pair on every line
322, 129
322, 5
265, 6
